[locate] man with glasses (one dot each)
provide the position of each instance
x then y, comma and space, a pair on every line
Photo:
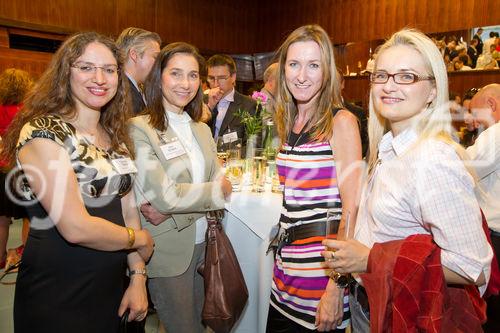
223, 100
485, 153
139, 48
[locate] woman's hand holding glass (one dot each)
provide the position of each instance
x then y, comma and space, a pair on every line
350, 256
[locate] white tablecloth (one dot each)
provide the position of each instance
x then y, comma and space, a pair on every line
248, 223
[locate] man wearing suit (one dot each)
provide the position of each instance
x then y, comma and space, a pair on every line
139, 48
223, 100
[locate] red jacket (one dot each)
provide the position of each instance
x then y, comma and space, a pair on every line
7, 113
407, 291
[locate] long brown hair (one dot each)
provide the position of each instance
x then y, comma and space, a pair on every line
52, 95
321, 122
153, 92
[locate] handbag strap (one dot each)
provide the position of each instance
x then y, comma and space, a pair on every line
215, 216
124, 322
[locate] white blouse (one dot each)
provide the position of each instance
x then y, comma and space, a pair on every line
181, 125
424, 188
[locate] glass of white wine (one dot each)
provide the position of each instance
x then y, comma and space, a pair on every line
222, 153
259, 170
234, 168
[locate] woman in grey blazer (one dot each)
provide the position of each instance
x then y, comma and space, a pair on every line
178, 180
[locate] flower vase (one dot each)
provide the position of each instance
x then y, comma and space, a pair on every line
251, 145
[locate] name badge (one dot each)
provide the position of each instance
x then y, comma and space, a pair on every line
124, 165
172, 149
230, 137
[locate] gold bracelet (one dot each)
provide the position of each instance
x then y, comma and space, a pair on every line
131, 237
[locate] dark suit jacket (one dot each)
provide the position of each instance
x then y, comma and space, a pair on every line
231, 122
137, 102
363, 124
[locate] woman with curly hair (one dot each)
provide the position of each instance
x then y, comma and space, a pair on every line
68, 141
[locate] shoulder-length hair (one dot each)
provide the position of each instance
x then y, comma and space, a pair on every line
329, 94
52, 95
14, 85
153, 83
435, 120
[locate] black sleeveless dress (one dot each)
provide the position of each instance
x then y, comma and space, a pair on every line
63, 287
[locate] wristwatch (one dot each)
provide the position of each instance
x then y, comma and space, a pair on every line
341, 280
141, 271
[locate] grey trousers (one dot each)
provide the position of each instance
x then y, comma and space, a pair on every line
360, 320
179, 300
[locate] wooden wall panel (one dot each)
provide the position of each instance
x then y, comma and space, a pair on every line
220, 25
74, 15
364, 20
134, 13
34, 63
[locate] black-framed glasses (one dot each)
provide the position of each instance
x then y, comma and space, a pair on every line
399, 78
218, 78
90, 68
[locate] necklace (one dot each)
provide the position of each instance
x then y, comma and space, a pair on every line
301, 133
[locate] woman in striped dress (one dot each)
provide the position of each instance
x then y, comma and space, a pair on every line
321, 144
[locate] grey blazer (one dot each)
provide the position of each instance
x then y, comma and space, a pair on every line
167, 185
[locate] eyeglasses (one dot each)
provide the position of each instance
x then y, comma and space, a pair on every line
220, 79
90, 68
399, 78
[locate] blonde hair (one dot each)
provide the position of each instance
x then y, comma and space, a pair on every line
329, 95
435, 120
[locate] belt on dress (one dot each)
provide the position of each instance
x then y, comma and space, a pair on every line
288, 236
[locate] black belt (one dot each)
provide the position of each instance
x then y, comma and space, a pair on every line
288, 236
359, 293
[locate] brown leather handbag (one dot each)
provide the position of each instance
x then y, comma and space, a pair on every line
225, 289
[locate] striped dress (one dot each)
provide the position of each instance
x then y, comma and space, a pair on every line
307, 171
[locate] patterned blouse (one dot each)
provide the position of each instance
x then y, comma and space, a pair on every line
92, 165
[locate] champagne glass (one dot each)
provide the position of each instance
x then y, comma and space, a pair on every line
259, 170
332, 226
222, 153
234, 169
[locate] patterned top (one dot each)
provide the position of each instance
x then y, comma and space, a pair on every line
92, 165
307, 171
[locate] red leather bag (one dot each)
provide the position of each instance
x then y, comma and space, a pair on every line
225, 289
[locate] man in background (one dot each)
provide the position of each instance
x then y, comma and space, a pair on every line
140, 49
485, 155
270, 87
223, 100
359, 113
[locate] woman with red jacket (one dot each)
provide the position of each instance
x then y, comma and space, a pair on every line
14, 84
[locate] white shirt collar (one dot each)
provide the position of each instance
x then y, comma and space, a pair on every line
133, 81
229, 97
178, 118
390, 145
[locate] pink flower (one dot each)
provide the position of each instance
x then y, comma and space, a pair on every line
259, 97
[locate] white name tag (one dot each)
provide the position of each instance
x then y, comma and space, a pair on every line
172, 149
124, 165
230, 137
